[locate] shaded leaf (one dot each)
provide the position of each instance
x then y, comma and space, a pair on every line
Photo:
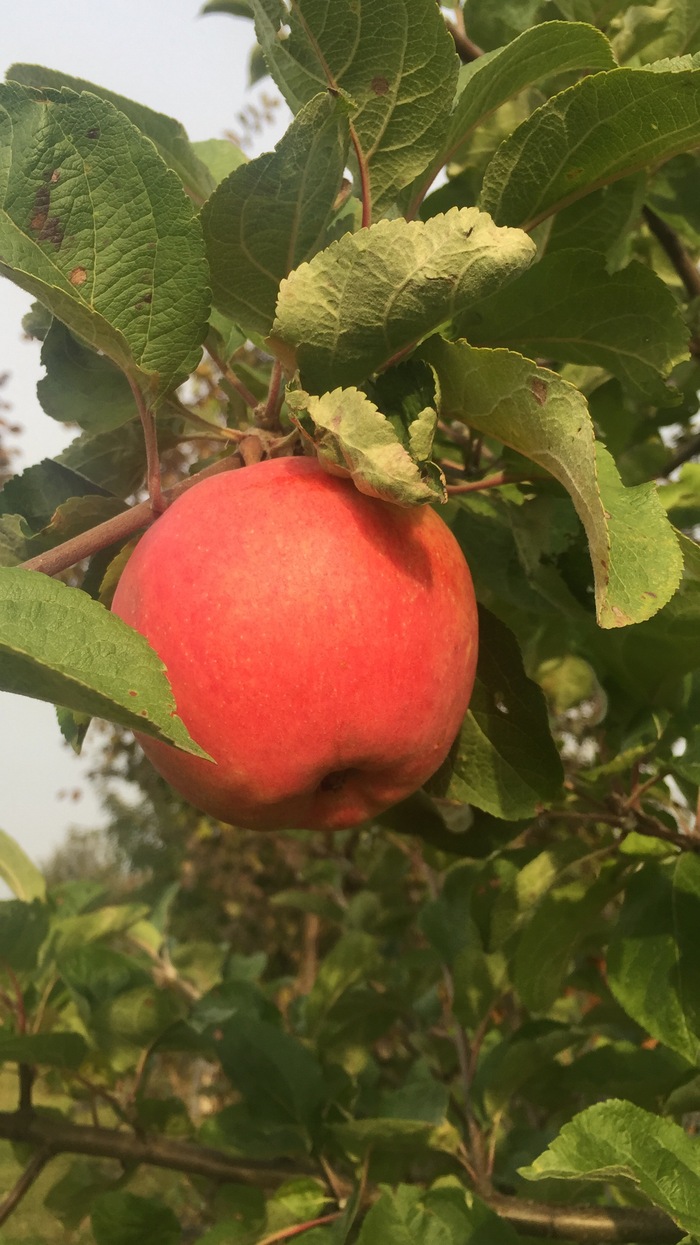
568, 307
23, 929
57, 1050
271, 214
504, 760
637, 563
278, 1077
38, 491
120, 1218
82, 386
605, 127
113, 460
386, 288
653, 968
57, 644
492, 79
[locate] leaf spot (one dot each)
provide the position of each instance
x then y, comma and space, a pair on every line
380, 86
78, 276
132, 693
93, 133
538, 389
500, 704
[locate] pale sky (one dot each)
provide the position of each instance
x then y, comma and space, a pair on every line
161, 53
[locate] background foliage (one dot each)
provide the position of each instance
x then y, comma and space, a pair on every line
477, 1020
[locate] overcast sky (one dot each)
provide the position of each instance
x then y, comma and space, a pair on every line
161, 53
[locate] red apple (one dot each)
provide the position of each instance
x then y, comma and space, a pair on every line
320, 644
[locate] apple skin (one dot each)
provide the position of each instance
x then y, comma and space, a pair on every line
321, 644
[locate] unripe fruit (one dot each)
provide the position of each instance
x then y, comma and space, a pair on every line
320, 644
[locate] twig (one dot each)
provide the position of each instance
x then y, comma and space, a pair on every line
467, 49
668, 238
267, 414
495, 481
587, 1223
61, 1137
242, 390
150, 436
31, 1173
591, 1224
296, 1229
688, 451
121, 527
26, 1084
364, 179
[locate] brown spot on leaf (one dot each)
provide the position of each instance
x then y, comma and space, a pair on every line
572, 174
143, 302
650, 595
621, 618
78, 276
538, 389
380, 85
55, 176
53, 232
133, 693
93, 133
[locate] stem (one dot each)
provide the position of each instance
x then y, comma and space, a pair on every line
496, 481
296, 1229
587, 1223
61, 1137
32, 1171
689, 450
570, 1223
668, 238
150, 436
269, 416
467, 49
242, 390
364, 179
121, 527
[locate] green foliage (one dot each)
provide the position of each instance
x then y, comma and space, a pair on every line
384, 1035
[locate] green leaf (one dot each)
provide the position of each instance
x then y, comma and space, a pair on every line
78, 1187
15, 539
95, 226
353, 438
237, 8
395, 63
445, 1215
113, 460
652, 963
169, 136
492, 79
270, 215
57, 644
616, 1141
38, 491
351, 962
56, 1050
81, 386
478, 981
386, 288
23, 929
605, 127
120, 1218
221, 156
602, 221
550, 939
637, 563
652, 31
19, 872
278, 1077
504, 760
553, 311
